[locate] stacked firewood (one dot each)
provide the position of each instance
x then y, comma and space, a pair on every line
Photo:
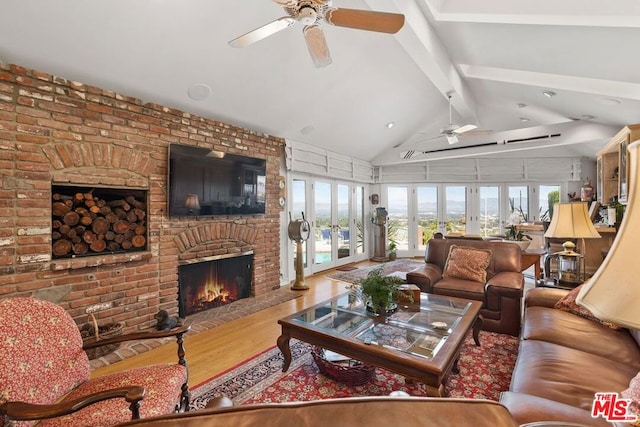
84, 224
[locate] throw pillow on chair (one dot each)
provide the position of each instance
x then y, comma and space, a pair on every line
467, 263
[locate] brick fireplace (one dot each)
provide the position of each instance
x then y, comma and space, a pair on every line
56, 132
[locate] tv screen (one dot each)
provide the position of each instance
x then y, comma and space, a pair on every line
205, 182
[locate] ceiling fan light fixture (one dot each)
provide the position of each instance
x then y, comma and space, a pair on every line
451, 139
308, 15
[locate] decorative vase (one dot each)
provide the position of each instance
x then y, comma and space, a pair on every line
382, 309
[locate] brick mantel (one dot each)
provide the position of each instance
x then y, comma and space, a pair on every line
57, 131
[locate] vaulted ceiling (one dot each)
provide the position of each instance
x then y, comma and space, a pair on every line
496, 58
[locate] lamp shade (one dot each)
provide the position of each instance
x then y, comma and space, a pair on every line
192, 202
613, 293
571, 221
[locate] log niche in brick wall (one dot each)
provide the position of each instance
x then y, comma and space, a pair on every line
97, 221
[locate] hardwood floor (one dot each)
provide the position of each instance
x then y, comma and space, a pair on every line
216, 350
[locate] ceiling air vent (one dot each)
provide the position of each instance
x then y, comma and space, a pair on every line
412, 153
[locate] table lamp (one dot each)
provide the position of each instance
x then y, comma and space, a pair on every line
571, 221
192, 202
613, 293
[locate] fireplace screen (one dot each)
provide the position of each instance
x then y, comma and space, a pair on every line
214, 283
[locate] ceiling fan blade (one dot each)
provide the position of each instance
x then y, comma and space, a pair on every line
465, 128
382, 22
262, 32
422, 141
451, 139
286, 3
317, 45
479, 132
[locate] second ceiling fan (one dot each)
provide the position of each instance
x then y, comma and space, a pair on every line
451, 131
311, 13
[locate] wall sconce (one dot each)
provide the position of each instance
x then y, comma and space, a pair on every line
192, 203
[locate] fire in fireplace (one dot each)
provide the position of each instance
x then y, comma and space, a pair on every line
213, 282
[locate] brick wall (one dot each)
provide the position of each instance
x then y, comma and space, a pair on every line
56, 131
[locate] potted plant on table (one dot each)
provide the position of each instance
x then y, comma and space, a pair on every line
513, 235
392, 250
379, 292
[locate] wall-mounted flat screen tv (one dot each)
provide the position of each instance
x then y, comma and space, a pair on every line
205, 182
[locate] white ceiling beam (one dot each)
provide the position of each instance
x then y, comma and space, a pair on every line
602, 87
421, 42
620, 13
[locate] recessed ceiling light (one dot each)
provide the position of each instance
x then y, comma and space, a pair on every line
609, 101
390, 125
199, 92
521, 105
549, 93
587, 117
524, 119
307, 130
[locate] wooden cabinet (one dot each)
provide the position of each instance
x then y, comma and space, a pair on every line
612, 167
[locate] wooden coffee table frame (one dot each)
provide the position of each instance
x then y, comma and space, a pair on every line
431, 372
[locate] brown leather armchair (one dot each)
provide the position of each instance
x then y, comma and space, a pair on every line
501, 293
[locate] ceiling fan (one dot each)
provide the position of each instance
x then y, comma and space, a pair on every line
311, 13
451, 131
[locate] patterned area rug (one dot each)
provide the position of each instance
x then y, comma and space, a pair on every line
484, 372
403, 265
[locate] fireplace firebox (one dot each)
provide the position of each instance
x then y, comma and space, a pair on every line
213, 282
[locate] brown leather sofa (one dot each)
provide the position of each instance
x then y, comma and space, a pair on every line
501, 294
365, 411
564, 360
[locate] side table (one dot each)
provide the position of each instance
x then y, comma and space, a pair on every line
531, 257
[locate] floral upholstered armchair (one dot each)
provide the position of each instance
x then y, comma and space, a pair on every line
44, 372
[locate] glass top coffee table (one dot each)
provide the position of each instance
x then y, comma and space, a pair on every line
419, 342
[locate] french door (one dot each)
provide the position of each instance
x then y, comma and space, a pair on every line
428, 214
417, 212
336, 212
455, 210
